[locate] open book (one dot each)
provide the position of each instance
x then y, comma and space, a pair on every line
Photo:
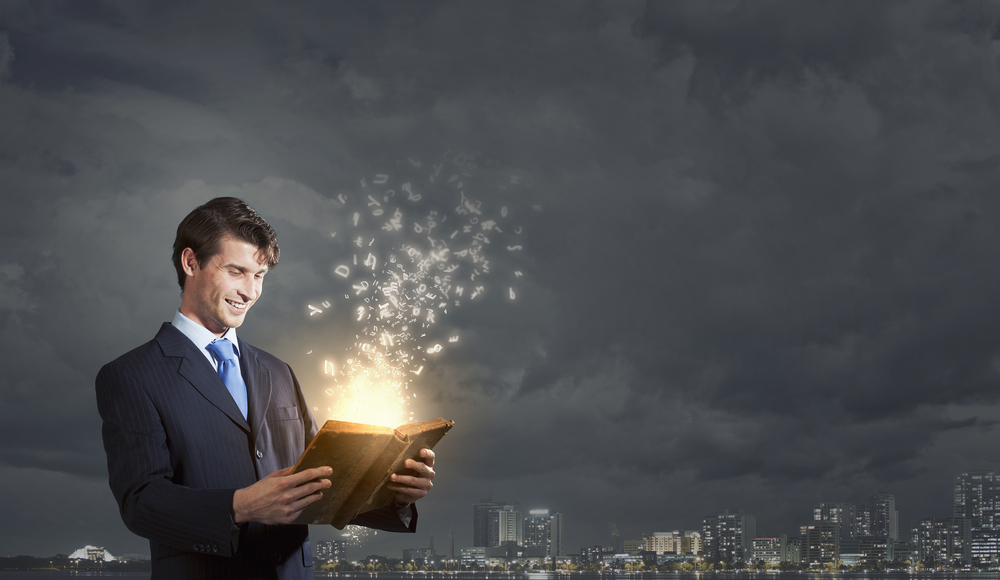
362, 457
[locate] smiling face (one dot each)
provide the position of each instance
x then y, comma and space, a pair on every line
219, 295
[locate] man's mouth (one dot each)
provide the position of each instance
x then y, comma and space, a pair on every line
238, 305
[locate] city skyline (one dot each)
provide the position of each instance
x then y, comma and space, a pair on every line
976, 498
736, 255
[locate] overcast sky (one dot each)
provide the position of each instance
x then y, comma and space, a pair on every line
758, 241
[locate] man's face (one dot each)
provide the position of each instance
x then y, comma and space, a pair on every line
219, 295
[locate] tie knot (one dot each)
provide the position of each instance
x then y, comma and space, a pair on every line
223, 348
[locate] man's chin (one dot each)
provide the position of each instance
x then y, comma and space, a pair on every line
232, 321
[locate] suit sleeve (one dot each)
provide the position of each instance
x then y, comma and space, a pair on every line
140, 472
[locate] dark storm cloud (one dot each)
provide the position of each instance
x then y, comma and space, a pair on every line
760, 276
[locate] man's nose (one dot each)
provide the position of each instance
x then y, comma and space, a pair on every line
248, 290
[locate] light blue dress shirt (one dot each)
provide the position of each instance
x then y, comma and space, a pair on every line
202, 337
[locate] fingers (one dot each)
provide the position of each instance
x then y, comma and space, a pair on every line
289, 501
422, 469
410, 488
280, 497
306, 475
296, 507
428, 456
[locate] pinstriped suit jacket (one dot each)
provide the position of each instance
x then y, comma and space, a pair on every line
178, 448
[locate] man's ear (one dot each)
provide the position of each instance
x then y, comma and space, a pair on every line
189, 262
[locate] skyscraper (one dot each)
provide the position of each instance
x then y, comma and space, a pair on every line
542, 529
729, 537
880, 517
820, 544
538, 530
494, 523
977, 498
942, 540
838, 513
557, 548
481, 521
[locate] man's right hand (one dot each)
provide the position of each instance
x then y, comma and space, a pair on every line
279, 498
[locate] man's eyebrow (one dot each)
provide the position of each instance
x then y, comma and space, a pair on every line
261, 270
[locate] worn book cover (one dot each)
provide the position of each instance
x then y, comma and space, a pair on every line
362, 457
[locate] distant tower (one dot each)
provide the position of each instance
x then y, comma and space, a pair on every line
451, 537
838, 513
494, 523
880, 516
556, 548
729, 537
481, 521
616, 541
977, 498
538, 530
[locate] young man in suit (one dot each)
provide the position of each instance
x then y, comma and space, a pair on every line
201, 429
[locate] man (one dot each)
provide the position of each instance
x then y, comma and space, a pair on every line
200, 446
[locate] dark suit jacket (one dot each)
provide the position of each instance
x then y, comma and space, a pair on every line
178, 448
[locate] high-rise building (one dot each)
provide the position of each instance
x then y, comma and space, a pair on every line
542, 529
508, 525
942, 540
977, 498
985, 547
481, 521
770, 550
879, 517
875, 549
844, 514
793, 550
537, 530
820, 544
494, 523
557, 545
729, 537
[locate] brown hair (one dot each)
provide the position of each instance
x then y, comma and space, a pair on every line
206, 225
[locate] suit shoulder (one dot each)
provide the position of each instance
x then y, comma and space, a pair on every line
140, 355
157, 351
267, 359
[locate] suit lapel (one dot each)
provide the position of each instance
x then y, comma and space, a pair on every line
258, 382
199, 373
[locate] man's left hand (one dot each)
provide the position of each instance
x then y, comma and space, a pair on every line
410, 488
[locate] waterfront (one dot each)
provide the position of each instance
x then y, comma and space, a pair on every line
49, 574
662, 575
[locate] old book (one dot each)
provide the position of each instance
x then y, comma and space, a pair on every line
362, 457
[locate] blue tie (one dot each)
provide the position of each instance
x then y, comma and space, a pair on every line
229, 371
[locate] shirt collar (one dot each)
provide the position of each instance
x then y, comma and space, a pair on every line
201, 336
